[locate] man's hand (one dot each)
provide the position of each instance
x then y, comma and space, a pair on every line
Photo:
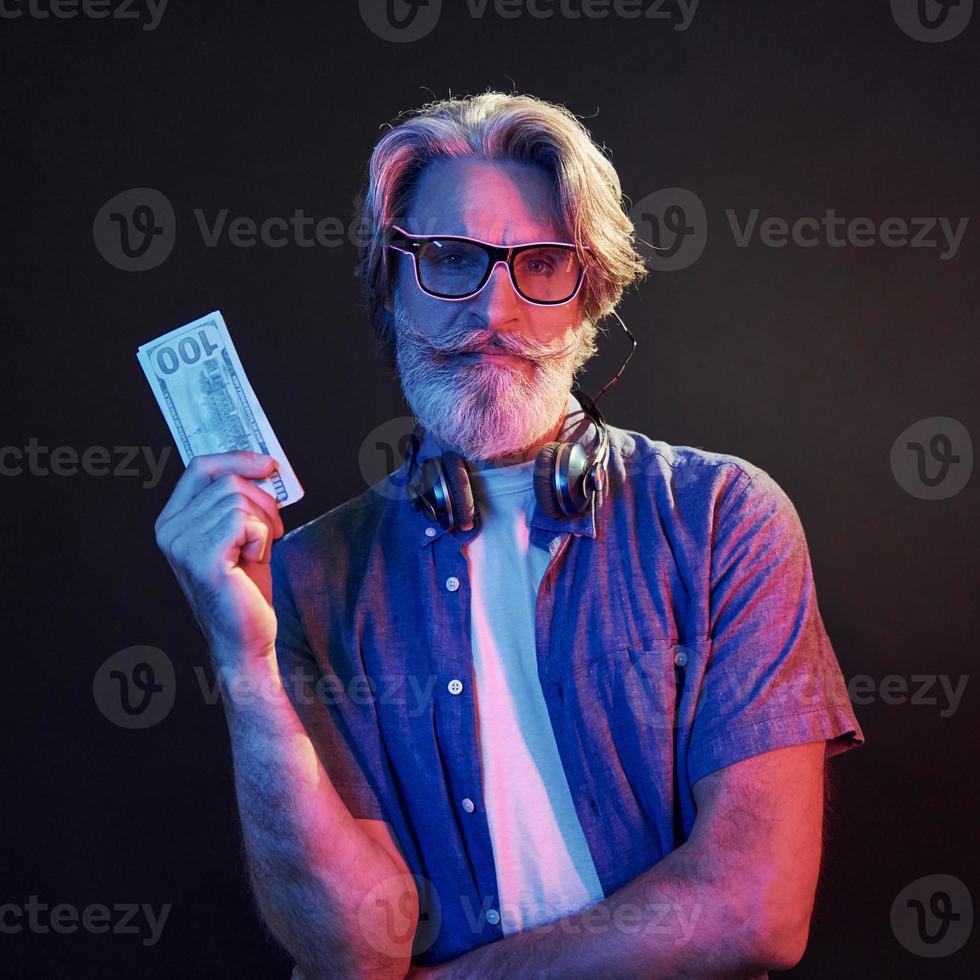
216, 532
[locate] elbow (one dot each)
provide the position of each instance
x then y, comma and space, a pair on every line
778, 940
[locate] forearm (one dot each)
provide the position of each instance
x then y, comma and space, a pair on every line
675, 920
310, 864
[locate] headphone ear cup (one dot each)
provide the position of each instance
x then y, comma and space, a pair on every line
559, 478
460, 489
544, 468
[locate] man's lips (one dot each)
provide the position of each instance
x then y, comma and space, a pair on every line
487, 352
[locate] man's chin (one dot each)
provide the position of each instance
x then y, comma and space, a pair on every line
487, 405
488, 432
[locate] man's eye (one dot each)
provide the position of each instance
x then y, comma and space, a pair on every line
452, 259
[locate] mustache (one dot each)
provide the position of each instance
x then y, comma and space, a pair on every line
466, 341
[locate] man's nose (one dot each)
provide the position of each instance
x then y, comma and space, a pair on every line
498, 300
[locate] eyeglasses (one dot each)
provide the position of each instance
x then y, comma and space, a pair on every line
455, 268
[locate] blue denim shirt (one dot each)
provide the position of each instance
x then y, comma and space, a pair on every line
677, 632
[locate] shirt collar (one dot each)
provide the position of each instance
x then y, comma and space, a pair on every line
577, 427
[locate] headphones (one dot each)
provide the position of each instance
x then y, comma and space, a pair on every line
566, 477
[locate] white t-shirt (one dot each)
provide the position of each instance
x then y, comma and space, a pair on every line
544, 868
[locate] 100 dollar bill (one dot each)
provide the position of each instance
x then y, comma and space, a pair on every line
201, 388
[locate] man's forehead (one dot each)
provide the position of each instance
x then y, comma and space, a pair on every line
477, 199
498, 229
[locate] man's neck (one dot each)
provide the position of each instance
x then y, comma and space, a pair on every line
525, 455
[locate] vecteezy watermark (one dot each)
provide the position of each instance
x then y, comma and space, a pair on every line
636, 692
383, 450
135, 687
148, 13
298, 229
411, 692
931, 690
652, 918
672, 230
39, 460
387, 919
136, 229
932, 21
400, 21
933, 916
932, 459
834, 231
121, 919
678, 13
403, 21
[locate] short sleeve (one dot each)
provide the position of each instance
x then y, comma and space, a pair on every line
772, 678
331, 719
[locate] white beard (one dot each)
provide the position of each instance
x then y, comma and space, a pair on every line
484, 408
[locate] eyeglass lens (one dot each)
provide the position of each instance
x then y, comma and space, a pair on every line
545, 274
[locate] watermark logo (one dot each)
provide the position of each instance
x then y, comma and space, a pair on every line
672, 228
124, 918
275, 231
135, 687
382, 452
400, 21
933, 916
943, 691
933, 458
835, 231
387, 917
135, 231
410, 20
932, 21
37, 459
148, 13
678, 13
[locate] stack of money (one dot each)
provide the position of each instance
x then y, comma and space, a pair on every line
201, 388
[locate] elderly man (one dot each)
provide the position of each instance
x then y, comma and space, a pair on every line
554, 698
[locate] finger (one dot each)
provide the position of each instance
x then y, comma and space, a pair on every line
207, 467
202, 551
199, 546
211, 502
233, 526
257, 543
231, 485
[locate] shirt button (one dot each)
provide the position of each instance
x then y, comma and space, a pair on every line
493, 917
468, 805
455, 686
430, 532
452, 583
680, 658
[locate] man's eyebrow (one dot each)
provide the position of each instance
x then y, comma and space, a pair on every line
524, 240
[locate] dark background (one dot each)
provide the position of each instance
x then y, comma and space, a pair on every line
809, 362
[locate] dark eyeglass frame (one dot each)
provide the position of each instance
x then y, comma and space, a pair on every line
411, 245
